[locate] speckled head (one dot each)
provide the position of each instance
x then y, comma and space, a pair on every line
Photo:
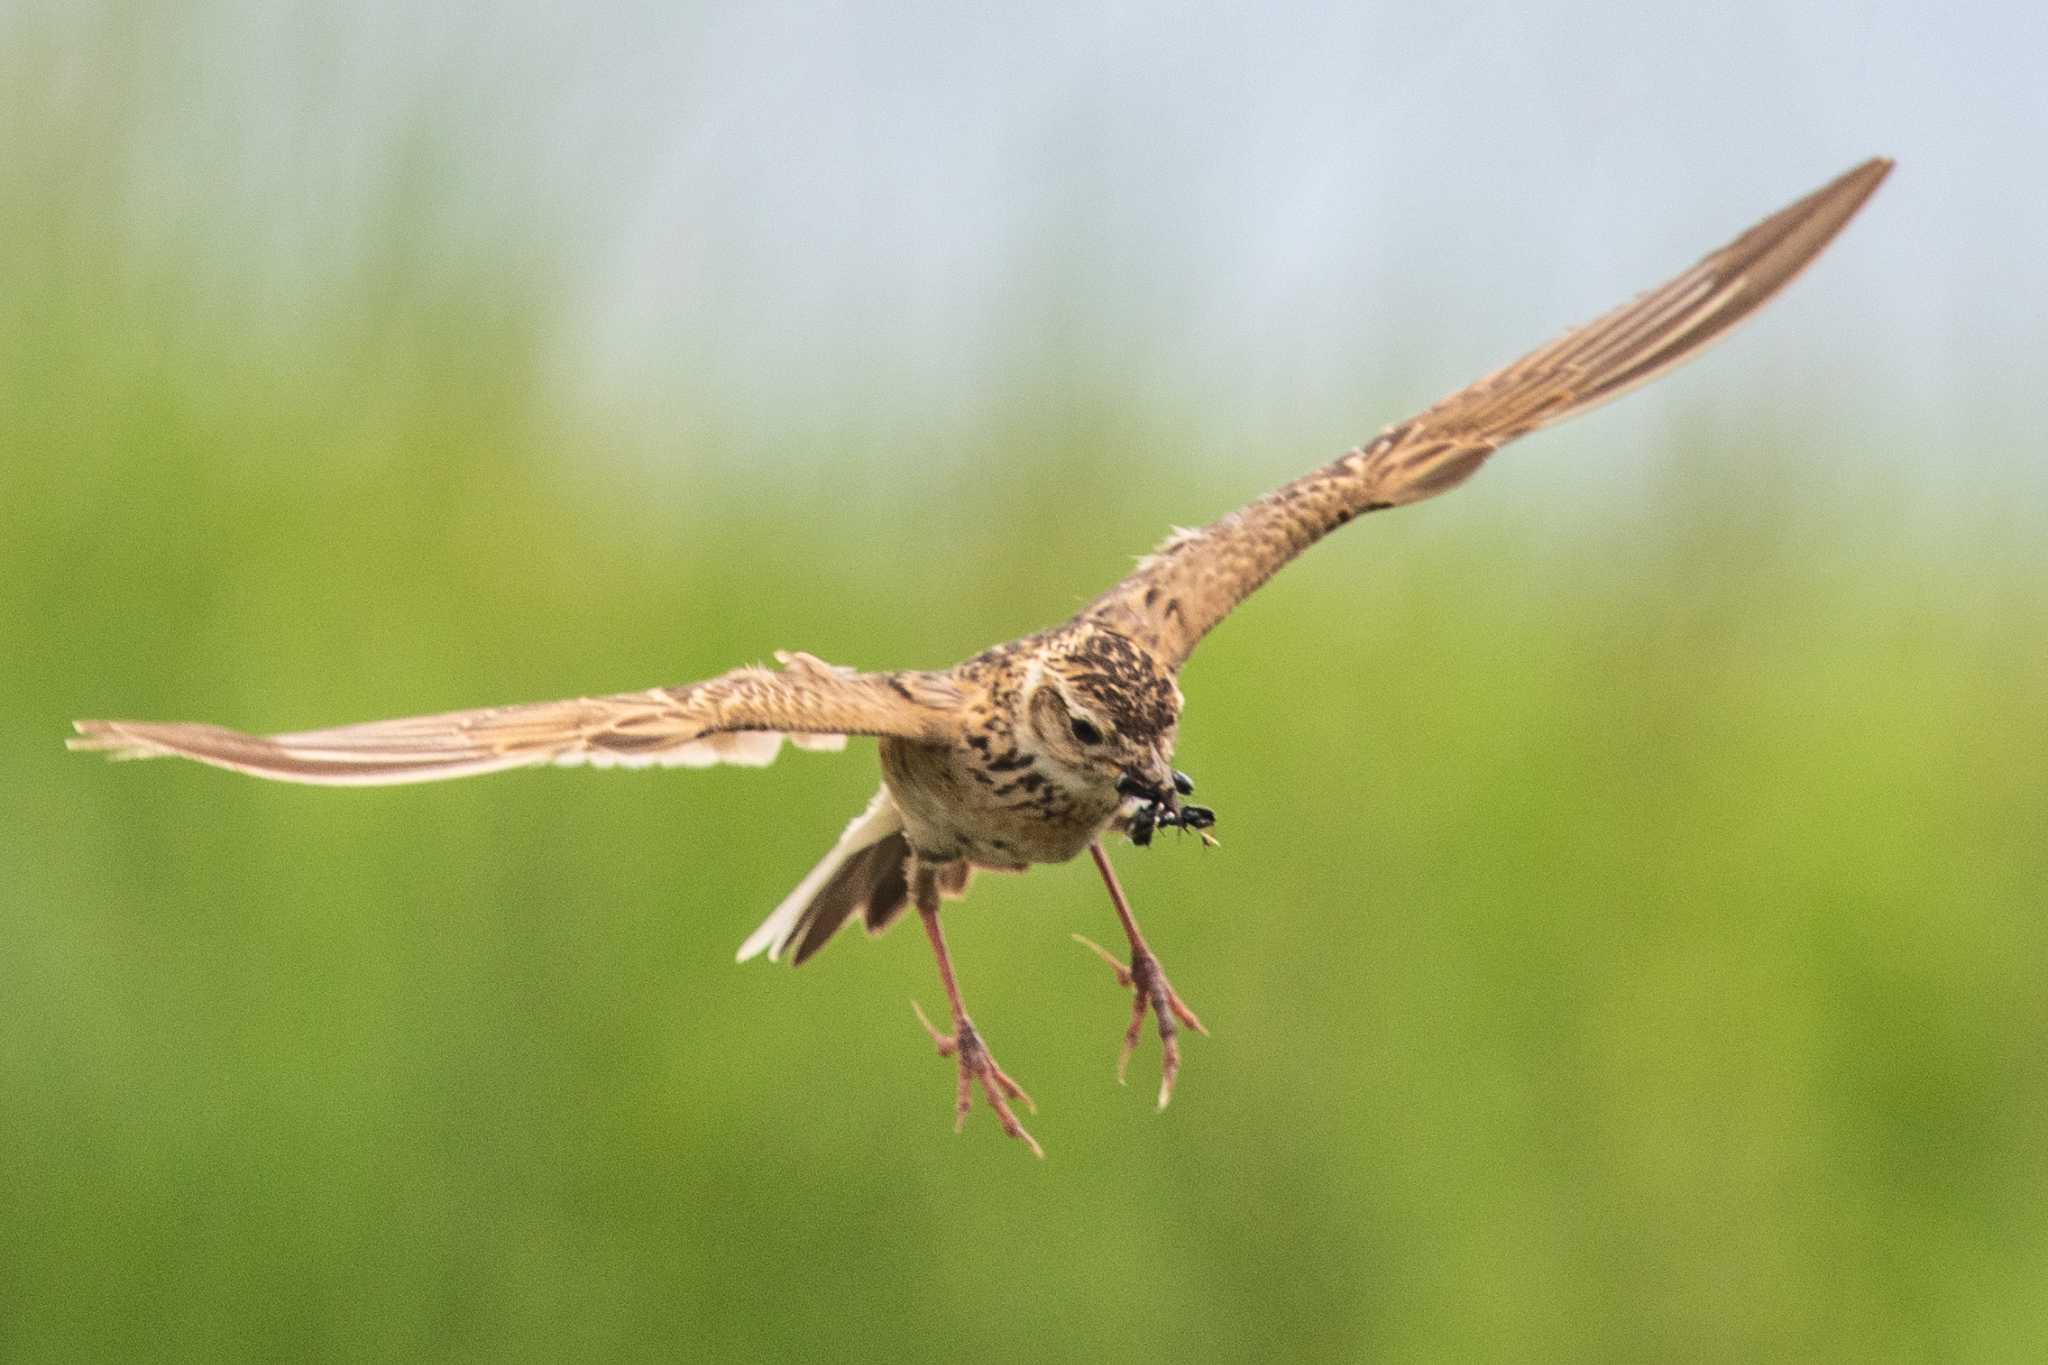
1104, 708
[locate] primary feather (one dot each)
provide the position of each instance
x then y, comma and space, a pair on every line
1185, 587
739, 717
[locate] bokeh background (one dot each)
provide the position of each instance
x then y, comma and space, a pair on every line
1627, 940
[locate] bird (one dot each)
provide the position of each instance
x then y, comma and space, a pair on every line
1038, 750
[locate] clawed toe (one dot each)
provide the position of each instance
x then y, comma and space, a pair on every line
1154, 994
978, 1065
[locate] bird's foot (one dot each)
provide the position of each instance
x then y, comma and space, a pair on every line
978, 1065
1153, 993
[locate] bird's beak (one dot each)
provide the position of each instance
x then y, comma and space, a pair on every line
1154, 782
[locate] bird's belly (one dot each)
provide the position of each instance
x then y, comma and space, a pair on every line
954, 807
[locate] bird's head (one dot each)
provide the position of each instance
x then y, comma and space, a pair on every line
1105, 712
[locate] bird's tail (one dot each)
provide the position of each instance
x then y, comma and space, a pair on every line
865, 874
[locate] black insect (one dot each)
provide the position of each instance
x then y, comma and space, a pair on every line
1157, 813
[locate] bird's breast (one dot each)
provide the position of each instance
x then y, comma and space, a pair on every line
990, 803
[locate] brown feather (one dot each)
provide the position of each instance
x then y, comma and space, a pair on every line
1179, 593
738, 717
871, 884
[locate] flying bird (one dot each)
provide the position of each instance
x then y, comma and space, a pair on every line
1036, 750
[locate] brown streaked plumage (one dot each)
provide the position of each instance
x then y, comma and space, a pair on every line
740, 717
1194, 580
1031, 751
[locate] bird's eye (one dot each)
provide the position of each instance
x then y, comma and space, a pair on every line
1085, 732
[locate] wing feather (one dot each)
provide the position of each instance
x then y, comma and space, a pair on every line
739, 717
1180, 591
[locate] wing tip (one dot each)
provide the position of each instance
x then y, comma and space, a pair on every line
1811, 224
1858, 183
110, 737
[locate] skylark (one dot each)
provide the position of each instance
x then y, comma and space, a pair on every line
1035, 750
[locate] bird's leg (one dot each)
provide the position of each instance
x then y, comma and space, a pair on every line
963, 1043
1151, 990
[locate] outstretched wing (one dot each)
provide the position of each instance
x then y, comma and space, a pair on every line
1180, 591
738, 717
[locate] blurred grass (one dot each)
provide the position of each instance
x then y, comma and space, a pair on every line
1626, 943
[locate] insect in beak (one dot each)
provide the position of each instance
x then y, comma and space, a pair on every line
1162, 808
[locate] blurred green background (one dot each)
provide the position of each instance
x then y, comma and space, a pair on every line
1626, 943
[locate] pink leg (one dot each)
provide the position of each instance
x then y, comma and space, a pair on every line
975, 1061
1152, 991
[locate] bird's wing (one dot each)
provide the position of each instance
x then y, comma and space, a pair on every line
739, 717
1181, 590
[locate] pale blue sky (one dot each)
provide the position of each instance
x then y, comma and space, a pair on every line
1302, 218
